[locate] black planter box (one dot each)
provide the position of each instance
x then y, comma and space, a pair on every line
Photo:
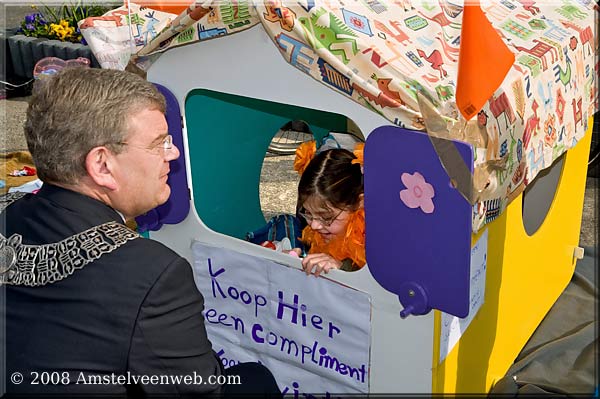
11, 85
26, 51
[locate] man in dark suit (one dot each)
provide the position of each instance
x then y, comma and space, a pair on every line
91, 307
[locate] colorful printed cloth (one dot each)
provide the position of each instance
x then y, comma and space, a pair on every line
381, 53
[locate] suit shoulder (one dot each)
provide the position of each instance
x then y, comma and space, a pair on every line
149, 255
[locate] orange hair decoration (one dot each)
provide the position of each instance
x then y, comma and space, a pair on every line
359, 151
304, 153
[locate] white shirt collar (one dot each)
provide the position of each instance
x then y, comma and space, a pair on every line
122, 216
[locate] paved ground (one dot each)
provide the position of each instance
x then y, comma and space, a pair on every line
589, 221
12, 13
12, 118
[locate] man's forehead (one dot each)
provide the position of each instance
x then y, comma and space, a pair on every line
148, 122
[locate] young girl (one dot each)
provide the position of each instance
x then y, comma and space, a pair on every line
331, 201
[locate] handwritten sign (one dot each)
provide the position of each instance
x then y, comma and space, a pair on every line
453, 327
312, 333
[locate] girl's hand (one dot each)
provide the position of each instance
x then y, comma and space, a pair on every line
297, 252
319, 263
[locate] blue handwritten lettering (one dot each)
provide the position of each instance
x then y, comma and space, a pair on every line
244, 296
223, 319
333, 363
225, 361
255, 328
297, 394
312, 351
305, 353
294, 309
213, 279
286, 345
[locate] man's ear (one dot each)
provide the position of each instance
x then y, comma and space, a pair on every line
361, 198
99, 164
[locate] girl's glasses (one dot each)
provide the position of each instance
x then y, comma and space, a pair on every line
324, 221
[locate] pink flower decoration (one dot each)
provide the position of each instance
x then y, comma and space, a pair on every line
418, 192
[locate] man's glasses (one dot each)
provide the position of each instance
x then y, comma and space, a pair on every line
164, 146
324, 221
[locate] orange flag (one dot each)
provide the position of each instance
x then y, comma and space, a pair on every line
484, 60
172, 6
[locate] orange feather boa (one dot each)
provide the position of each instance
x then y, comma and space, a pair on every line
351, 245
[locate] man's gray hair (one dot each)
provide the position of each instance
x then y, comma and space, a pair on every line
78, 109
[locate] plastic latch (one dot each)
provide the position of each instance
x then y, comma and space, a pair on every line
578, 253
414, 299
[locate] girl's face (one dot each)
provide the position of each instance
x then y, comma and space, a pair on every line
325, 219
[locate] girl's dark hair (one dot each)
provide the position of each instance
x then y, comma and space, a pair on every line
332, 176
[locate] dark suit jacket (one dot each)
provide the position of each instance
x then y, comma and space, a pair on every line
133, 310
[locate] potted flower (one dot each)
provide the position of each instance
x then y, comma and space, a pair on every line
52, 32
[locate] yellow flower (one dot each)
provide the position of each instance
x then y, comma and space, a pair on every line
57, 30
62, 30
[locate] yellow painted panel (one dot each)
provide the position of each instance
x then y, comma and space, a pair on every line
525, 275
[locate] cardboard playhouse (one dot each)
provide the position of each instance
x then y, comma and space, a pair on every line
480, 114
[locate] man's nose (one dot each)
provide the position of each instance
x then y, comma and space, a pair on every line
172, 153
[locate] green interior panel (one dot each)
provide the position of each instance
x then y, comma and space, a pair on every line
228, 137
